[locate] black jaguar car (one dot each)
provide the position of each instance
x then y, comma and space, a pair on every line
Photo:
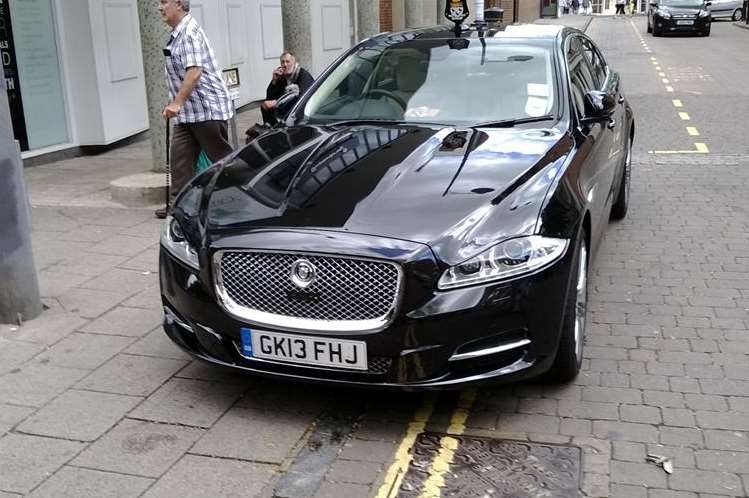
424, 218
672, 16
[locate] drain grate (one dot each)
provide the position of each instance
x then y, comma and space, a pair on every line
496, 468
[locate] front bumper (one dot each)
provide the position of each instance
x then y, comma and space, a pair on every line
675, 24
508, 332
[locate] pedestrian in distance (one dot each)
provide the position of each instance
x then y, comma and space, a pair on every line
620, 7
199, 105
586, 7
575, 6
565, 5
288, 78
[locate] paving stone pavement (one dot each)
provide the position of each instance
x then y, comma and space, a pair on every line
96, 402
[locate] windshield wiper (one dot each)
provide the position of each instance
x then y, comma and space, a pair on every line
383, 121
364, 121
509, 123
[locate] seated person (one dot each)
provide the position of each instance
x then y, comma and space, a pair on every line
289, 77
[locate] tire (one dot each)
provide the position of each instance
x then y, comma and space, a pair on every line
738, 14
656, 31
650, 28
620, 206
706, 32
569, 357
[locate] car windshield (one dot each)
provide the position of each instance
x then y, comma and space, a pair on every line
687, 4
456, 81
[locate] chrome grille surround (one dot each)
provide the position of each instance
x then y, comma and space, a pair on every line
355, 294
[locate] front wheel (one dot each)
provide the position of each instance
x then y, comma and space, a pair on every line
569, 358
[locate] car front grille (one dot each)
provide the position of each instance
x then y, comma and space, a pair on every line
379, 364
346, 294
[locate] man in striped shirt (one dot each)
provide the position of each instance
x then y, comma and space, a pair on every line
200, 105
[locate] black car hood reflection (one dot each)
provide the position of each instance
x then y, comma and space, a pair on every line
433, 185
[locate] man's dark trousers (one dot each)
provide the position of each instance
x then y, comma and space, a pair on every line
187, 141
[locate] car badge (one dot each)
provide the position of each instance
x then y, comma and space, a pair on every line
303, 273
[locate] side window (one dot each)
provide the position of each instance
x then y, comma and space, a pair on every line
581, 75
596, 62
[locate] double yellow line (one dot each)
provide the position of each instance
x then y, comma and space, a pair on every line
441, 464
699, 147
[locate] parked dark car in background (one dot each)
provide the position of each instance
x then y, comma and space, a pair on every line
679, 16
426, 217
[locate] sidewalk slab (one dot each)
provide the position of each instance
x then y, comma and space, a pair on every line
139, 448
198, 476
26, 461
73, 482
70, 416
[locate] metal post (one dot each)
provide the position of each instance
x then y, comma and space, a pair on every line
233, 126
19, 287
478, 6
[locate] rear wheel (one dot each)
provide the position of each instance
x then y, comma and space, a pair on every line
738, 14
569, 356
619, 209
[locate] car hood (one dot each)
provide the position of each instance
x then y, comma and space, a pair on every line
456, 190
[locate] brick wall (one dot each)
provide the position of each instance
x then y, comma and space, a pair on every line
386, 15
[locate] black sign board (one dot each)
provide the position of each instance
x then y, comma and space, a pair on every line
10, 70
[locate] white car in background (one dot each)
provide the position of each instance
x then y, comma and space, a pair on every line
732, 9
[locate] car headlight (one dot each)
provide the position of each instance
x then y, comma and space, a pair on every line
173, 239
664, 13
508, 259
704, 13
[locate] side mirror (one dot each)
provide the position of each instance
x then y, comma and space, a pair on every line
598, 106
285, 102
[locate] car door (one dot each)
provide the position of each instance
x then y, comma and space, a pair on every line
594, 138
609, 82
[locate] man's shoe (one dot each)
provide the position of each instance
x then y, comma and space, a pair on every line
160, 213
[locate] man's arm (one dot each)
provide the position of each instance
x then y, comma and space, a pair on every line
192, 77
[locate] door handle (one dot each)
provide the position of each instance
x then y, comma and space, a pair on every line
611, 124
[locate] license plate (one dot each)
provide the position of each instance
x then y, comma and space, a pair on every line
306, 350
684, 23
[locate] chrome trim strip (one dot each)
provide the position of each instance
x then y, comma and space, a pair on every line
493, 350
284, 322
171, 317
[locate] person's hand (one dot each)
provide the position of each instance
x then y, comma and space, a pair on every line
268, 104
277, 73
171, 110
